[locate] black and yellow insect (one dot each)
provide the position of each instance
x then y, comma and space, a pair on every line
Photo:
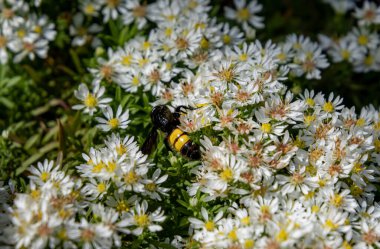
176, 139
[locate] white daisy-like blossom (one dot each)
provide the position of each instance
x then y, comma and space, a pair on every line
83, 34
277, 169
55, 211
360, 46
246, 13
368, 14
23, 33
307, 57
111, 122
139, 219
91, 100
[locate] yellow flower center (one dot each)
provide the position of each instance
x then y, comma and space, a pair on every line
328, 107
345, 54
120, 150
266, 127
369, 60
209, 225
315, 209
126, 60
98, 167
245, 220
122, 207
243, 57
151, 186
114, 123
360, 122
243, 14
204, 43
135, 81
21, 33
142, 220
45, 176
358, 167
90, 101
38, 29
89, 9
309, 119
282, 235
281, 56
101, 187
226, 39
337, 200
310, 102
168, 31
363, 40
111, 166
131, 177
232, 235
146, 45
249, 243
35, 194
226, 174
330, 224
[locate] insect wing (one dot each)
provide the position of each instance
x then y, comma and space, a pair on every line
150, 142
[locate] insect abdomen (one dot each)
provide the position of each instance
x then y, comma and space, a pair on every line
182, 143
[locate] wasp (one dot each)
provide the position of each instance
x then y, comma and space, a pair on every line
175, 139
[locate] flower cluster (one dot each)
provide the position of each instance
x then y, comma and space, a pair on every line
93, 211
23, 34
277, 170
360, 47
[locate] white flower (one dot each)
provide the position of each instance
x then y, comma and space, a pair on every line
120, 121
368, 14
141, 220
246, 13
91, 100
83, 34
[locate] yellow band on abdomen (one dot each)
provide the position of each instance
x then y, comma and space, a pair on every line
173, 136
181, 142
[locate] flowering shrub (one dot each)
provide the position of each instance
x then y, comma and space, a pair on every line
280, 166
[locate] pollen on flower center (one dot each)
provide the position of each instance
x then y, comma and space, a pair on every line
90, 101
328, 107
282, 235
363, 40
101, 187
131, 177
45, 176
243, 14
151, 186
232, 235
142, 220
120, 150
337, 200
209, 225
114, 123
266, 127
226, 174
345, 54
126, 60
122, 207
330, 224
89, 9
111, 166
